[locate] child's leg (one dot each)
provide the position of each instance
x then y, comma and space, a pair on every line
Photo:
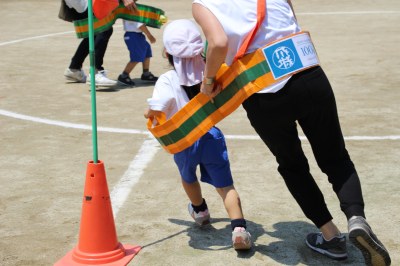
147, 75
146, 65
124, 77
231, 201
241, 239
129, 67
197, 207
193, 191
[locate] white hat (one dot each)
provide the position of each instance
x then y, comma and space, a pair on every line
183, 41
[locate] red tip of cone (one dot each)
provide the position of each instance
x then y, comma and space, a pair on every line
102, 8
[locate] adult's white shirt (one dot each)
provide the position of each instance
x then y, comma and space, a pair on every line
239, 17
79, 5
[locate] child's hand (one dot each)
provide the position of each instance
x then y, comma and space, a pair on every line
150, 113
147, 114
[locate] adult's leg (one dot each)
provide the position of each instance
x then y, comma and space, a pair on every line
80, 54
101, 43
321, 126
271, 115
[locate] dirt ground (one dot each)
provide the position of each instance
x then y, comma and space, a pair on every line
46, 143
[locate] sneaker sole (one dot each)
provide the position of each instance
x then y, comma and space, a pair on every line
203, 223
75, 80
124, 84
103, 85
240, 244
327, 253
373, 253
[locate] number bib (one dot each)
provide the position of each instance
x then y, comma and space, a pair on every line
290, 55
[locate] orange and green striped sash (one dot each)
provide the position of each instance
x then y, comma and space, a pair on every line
151, 16
244, 77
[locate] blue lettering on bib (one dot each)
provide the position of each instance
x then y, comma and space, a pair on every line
282, 58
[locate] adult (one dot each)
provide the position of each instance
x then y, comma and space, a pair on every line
75, 10
306, 98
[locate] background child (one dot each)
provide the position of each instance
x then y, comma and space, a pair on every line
139, 51
183, 46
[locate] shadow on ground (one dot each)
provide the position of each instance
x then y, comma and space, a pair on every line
285, 245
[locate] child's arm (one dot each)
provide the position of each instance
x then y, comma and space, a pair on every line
148, 34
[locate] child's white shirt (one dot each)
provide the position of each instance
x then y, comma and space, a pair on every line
132, 26
168, 95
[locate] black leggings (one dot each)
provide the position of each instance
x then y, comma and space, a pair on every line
100, 46
308, 99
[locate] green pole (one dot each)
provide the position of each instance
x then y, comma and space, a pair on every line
92, 81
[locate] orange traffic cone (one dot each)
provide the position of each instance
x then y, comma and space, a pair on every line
98, 244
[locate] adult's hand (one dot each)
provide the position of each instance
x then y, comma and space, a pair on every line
130, 4
211, 90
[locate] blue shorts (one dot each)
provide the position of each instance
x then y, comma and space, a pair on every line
210, 153
139, 48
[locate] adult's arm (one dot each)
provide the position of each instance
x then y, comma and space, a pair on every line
217, 46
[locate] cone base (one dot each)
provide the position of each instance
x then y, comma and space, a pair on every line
70, 260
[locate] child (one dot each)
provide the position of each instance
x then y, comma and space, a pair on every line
183, 48
139, 50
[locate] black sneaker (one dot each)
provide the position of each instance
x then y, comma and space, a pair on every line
149, 77
125, 81
334, 248
361, 235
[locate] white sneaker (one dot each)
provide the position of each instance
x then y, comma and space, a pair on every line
241, 239
201, 218
76, 75
102, 80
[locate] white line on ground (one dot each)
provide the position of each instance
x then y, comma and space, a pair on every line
70, 125
135, 131
132, 175
36, 37
371, 12
349, 13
